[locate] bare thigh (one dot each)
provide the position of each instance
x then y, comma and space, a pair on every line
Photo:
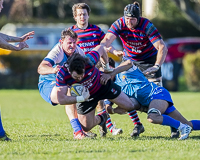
124, 102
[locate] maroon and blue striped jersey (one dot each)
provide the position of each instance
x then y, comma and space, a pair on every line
88, 38
91, 79
137, 43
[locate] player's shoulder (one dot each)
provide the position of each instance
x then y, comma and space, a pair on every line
79, 50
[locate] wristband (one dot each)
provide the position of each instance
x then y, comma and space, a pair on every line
157, 66
80, 99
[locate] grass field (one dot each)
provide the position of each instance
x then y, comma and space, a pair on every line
40, 131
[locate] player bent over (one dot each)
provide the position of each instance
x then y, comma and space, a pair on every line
48, 68
82, 70
156, 100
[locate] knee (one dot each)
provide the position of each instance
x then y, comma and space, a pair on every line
153, 115
151, 118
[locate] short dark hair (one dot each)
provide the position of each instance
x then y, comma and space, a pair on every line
80, 6
68, 32
76, 62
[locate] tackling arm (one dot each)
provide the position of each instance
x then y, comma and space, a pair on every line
45, 67
61, 95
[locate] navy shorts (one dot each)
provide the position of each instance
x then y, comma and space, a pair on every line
108, 91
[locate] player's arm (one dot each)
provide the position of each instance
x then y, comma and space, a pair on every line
5, 45
23, 38
108, 39
122, 67
62, 95
162, 52
45, 67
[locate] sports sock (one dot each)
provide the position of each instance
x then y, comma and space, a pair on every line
109, 123
196, 124
134, 117
2, 132
76, 125
168, 121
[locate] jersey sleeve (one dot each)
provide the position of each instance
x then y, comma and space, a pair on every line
55, 55
102, 35
93, 57
116, 27
60, 77
152, 32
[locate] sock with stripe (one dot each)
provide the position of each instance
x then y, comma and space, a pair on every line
134, 117
109, 123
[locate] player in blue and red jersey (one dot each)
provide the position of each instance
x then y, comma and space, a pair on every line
79, 69
89, 36
142, 44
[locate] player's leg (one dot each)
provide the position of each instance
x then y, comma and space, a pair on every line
124, 102
3, 135
112, 128
89, 120
195, 124
156, 115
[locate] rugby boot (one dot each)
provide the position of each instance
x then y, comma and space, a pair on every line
116, 131
91, 134
185, 131
174, 133
5, 138
137, 130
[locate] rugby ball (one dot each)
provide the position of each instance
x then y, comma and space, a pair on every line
76, 89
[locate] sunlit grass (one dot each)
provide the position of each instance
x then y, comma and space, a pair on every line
40, 131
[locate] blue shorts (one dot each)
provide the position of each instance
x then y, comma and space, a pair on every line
150, 92
45, 88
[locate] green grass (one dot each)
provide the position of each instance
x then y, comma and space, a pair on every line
40, 131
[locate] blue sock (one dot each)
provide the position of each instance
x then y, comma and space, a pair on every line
168, 121
76, 125
2, 132
196, 124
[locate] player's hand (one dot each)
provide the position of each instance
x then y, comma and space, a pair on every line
104, 78
118, 53
85, 93
151, 70
21, 46
56, 69
84, 97
27, 36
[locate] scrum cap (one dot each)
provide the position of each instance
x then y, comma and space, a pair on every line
132, 10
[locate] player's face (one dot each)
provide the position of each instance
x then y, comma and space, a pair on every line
69, 45
131, 22
81, 17
1, 5
77, 77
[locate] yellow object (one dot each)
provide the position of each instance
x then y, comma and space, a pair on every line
4, 51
